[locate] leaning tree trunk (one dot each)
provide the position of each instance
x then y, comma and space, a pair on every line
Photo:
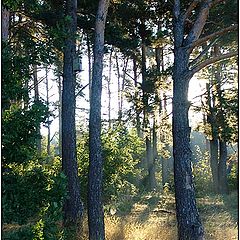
73, 208
95, 206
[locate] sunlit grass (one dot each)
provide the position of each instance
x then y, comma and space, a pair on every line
152, 217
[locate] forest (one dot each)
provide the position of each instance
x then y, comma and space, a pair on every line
119, 119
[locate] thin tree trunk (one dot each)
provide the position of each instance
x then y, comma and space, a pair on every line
60, 115
138, 110
222, 168
36, 98
48, 119
73, 207
89, 64
109, 89
165, 162
119, 89
95, 205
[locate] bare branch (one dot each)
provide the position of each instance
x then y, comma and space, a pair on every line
203, 52
212, 60
210, 36
199, 23
80, 91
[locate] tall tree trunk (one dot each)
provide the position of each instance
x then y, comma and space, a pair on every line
5, 23
189, 224
211, 119
138, 110
60, 115
165, 162
222, 168
73, 207
149, 162
95, 206
109, 89
89, 64
119, 89
36, 98
48, 119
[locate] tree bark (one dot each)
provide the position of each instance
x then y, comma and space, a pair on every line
48, 119
5, 24
73, 207
95, 205
89, 64
109, 89
36, 98
189, 224
60, 115
222, 168
211, 119
138, 111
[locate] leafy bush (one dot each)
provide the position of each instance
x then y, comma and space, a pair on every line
202, 175
233, 182
20, 131
34, 193
122, 151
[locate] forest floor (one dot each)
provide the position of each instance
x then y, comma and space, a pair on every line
152, 217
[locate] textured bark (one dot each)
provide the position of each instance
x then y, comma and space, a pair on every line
189, 224
95, 206
73, 208
222, 168
5, 24
214, 162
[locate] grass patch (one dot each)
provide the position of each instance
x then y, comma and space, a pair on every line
152, 217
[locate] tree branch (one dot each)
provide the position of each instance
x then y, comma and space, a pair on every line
210, 36
190, 8
199, 23
211, 61
203, 52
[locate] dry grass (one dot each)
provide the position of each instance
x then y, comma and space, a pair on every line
153, 218
152, 222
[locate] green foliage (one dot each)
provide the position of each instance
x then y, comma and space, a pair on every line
202, 174
14, 73
21, 233
233, 178
20, 131
34, 193
122, 151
